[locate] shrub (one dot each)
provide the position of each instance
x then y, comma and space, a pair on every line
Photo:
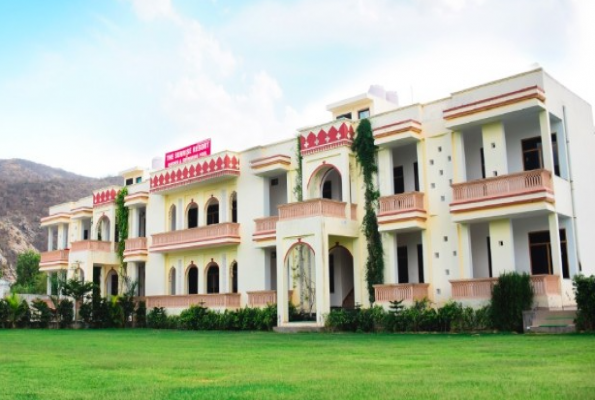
511, 295
356, 320
65, 312
195, 318
584, 292
140, 314
4, 314
42, 313
451, 317
157, 318
86, 312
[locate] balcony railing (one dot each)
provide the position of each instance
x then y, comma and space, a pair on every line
263, 298
217, 300
481, 288
313, 208
266, 225
92, 245
399, 203
401, 291
56, 256
501, 186
135, 244
224, 233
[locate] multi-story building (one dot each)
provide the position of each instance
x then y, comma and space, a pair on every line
491, 179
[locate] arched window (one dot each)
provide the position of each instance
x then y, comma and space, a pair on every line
234, 277
192, 214
172, 281
213, 211
331, 185
234, 207
213, 278
112, 283
172, 218
193, 279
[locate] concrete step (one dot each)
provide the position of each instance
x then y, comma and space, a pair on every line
549, 321
552, 329
298, 327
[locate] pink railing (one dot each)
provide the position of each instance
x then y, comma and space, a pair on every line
218, 300
482, 288
55, 256
401, 202
545, 284
505, 185
312, 208
92, 245
203, 233
263, 298
401, 291
134, 244
267, 224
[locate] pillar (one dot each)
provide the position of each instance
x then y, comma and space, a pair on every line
494, 149
458, 158
546, 141
389, 244
502, 246
465, 255
385, 172
554, 227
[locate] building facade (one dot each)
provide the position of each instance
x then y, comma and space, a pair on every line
491, 179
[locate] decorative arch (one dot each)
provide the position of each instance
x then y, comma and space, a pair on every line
341, 277
103, 229
192, 215
172, 280
212, 278
300, 267
172, 217
212, 211
112, 282
192, 279
326, 182
233, 201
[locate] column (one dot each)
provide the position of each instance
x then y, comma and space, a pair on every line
502, 246
458, 158
554, 228
50, 238
223, 287
224, 209
389, 243
494, 149
133, 228
385, 172
546, 141
465, 255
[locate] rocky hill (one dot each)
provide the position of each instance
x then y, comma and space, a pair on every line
27, 190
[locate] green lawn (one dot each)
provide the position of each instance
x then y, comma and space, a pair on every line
146, 364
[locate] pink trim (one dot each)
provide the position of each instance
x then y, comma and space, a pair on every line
319, 168
495, 98
295, 245
327, 139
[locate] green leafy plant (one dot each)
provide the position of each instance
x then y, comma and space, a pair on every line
121, 223
29, 279
65, 312
297, 189
584, 292
512, 295
42, 314
140, 315
78, 290
365, 153
157, 318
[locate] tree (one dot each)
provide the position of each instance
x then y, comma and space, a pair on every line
29, 279
365, 153
77, 289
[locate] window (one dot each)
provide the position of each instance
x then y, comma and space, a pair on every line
399, 179
129, 181
213, 279
416, 176
331, 273
489, 244
365, 113
344, 116
403, 264
234, 209
192, 216
193, 280
274, 181
213, 212
541, 253
420, 263
114, 284
532, 157
139, 179
172, 281
483, 163
234, 278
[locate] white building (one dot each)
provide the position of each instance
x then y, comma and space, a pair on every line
494, 178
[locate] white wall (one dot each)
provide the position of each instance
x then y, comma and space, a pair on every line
406, 156
479, 249
521, 228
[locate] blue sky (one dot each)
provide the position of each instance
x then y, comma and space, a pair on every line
96, 87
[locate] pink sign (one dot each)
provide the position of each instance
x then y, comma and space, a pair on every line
189, 153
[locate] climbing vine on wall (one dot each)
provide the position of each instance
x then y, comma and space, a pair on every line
297, 189
365, 153
121, 224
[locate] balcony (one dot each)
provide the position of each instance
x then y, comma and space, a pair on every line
398, 133
195, 238
92, 245
407, 292
266, 229
210, 169
95, 251
402, 211
316, 208
271, 166
544, 286
520, 193
135, 249
216, 300
54, 259
263, 298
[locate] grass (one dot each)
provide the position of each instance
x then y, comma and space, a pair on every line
147, 364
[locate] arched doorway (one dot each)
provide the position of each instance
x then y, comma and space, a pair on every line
172, 281
341, 278
212, 278
192, 277
192, 215
301, 278
212, 211
111, 283
326, 183
103, 229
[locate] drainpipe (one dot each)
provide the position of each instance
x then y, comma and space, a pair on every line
574, 231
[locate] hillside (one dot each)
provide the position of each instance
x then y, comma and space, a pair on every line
27, 190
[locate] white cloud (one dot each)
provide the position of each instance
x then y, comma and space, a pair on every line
148, 10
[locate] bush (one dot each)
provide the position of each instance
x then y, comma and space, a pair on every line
584, 292
140, 314
42, 313
65, 313
4, 314
511, 295
157, 318
357, 319
86, 312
